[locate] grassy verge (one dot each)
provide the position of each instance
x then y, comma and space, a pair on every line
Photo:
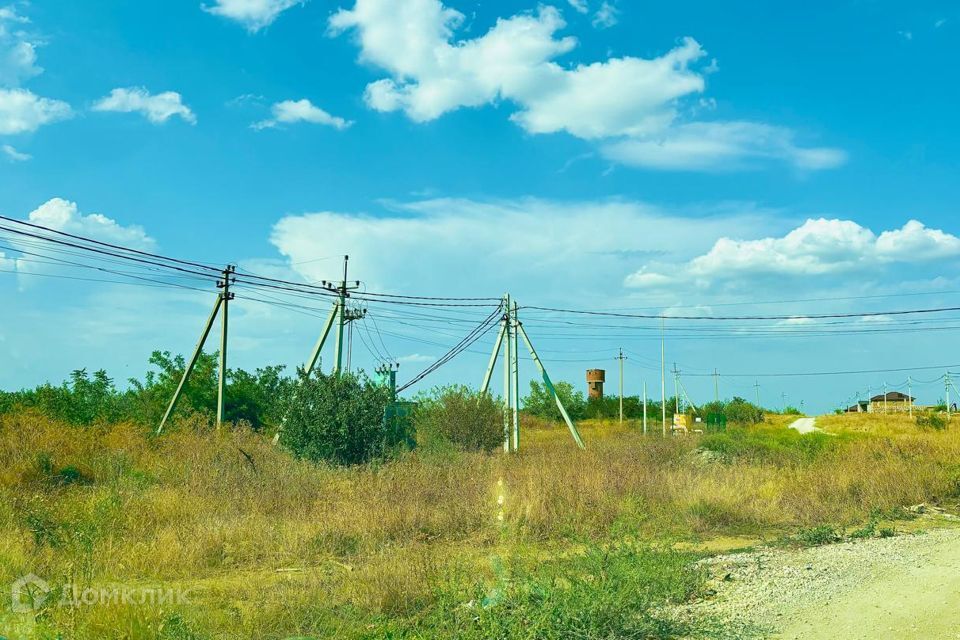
553, 542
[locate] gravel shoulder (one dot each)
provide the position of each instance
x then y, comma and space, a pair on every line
905, 587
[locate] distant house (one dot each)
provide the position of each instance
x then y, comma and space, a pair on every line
892, 402
861, 407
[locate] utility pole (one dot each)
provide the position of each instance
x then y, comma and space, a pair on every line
663, 377
910, 395
343, 292
644, 407
783, 397
716, 386
226, 296
507, 353
515, 379
676, 387
621, 358
946, 384
756, 385
221, 303
884, 398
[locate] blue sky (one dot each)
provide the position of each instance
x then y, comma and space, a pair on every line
576, 153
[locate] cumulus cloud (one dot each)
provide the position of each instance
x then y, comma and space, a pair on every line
430, 75
18, 51
294, 111
253, 14
425, 245
633, 106
818, 247
721, 146
63, 215
13, 155
580, 6
22, 111
156, 108
607, 16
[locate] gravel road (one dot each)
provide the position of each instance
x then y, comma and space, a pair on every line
805, 425
905, 587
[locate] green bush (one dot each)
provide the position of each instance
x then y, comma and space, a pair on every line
338, 419
458, 416
931, 421
769, 445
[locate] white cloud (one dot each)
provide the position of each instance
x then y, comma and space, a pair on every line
22, 111
607, 16
939, 23
425, 245
253, 14
819, 247
18, 54
156, 108
430, 75
906, 35
635, 107
721, 146
13, 155
580, 6
63, 215
293, 111
415, 358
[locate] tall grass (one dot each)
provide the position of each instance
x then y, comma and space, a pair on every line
427, 545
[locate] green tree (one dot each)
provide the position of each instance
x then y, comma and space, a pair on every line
337, 419
540, 402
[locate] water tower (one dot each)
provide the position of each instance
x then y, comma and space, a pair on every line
595, 380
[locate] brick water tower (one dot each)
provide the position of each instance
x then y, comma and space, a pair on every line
595, 380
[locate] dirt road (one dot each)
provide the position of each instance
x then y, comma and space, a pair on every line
805, 425
905, 587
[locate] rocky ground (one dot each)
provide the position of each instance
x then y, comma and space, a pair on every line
904, 587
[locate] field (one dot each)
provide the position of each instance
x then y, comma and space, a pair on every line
553, 542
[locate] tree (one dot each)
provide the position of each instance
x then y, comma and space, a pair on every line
540, 402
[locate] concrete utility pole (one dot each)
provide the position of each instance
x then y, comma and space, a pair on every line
507, 357
716, 386
621, 358
756, 385
884, 398
946, 384
676, 387
910, 395
221, 302
663, 377
226, 296
783, 396
343, 292
515, 379
644, 407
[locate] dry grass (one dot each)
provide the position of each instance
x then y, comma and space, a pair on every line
275, 547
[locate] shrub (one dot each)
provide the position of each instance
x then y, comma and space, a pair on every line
931, 421
337, 419
459, 416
